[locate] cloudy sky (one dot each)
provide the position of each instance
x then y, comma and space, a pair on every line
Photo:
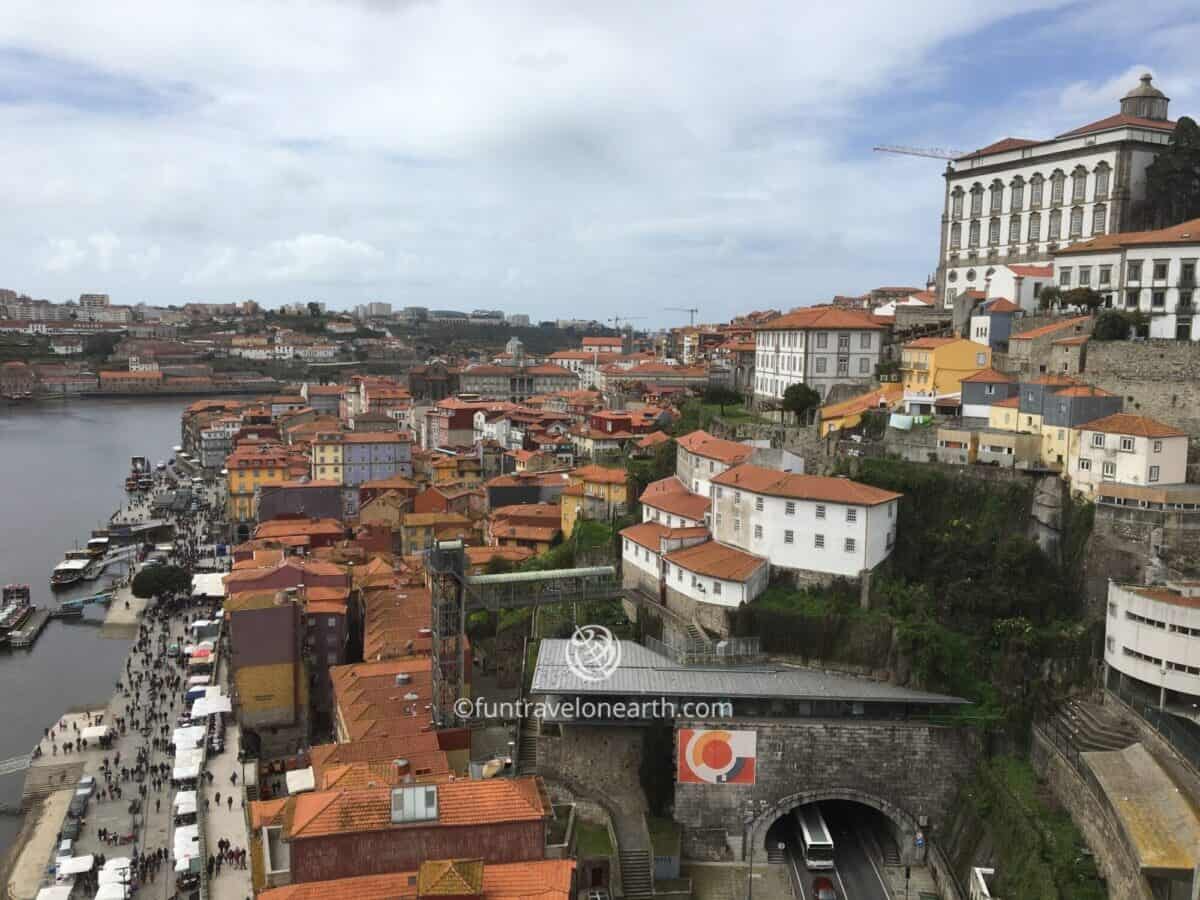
558, 158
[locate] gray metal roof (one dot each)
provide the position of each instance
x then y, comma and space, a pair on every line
643, 672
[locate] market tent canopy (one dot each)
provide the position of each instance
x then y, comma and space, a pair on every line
58, 892
96, 732
110, 891
208, 584
76, 865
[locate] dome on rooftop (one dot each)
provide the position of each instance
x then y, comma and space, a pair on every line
1145, 101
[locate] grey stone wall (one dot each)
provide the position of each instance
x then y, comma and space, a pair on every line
1158, 378
1095, 819
906, 770
1175, 532
710, 616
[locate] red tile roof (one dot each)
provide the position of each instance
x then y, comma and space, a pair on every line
1048, 329
701, 443
1008, 403
653, 439
822, 317
1183, 233
757, 480
716, 561
650, 534
542, 879
1033, 271
930, 343
672, 496
1127, 423
1001, 146
1072, 341
1002, 305
498, 801
600, 475
1083, 390
1119, 121
990, 376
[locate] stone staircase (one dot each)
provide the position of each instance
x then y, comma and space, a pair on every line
527, 759
637, 878
1093, 727
776, 856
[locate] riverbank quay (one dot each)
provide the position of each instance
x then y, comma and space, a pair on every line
128, 812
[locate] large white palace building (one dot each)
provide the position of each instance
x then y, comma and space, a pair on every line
1017, 200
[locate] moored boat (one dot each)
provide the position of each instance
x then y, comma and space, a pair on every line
77, 566
15, 608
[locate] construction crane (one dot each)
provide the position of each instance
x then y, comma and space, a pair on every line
931, 152
690, 310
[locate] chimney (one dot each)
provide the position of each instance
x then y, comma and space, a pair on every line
401, 766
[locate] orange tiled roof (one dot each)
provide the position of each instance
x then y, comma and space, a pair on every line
600, 475
1083, 390
543, 879
989, 376
1120, 120
1001, 146
653, 439
1048, 329
1127, 423
887, 395
1073, 341
373, 750
717, 561
497, 801
1033, 271
930, 343
671, 495
1008, 403
650, 534
757, 480
704, 444
822, 317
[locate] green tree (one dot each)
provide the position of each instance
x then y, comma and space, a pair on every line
801, 400
154, 581
1083, 297
722, 396
314, 309
1048, 296
1173, 179
1112, 325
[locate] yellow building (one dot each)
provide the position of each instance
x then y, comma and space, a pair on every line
593, 492
1003, 415
326, 455
848, 413
934, 367
248, 468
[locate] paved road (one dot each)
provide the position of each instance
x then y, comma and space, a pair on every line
855, 876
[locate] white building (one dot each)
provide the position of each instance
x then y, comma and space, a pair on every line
699, 456
143, 364
669, 502
821, 347
1018, 200
1152, 635
715, 573
1127, 449
1151, 271
807, 522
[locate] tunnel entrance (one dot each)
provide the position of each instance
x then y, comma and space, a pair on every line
839, 845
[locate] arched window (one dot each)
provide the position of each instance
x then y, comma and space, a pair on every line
1035, 227
956, 202
956, 235
1058, 182
1055, 231
973, 234
976, 199
1076, 221
1014, 229
1016, 196
1079, 185
1036, 183
1100, 219
1102, 173
997, 196
993, 232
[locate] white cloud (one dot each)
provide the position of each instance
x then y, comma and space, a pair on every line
589, 154
104, 244
319, 258
62, 255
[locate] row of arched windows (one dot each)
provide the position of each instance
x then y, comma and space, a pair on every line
1033, 227
1036, 189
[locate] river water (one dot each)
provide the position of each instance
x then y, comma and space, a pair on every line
62, 474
